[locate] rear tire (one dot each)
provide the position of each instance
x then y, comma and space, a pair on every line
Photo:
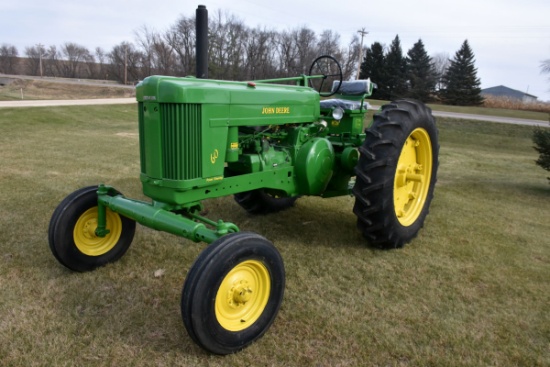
260, 202
233, 292
396, 174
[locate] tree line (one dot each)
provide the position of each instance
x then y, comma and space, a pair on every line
238, 52
417, 75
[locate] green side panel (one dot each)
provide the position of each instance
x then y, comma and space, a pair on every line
351, 123
151, 138
214, 139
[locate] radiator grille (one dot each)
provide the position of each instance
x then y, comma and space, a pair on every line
181, 141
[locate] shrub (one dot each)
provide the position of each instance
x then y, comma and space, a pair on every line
541, 138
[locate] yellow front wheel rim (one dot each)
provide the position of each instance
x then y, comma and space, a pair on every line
413, 177
85, 237
243, 295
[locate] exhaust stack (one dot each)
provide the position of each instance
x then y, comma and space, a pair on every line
201, 27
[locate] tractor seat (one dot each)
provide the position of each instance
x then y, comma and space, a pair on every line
351, 95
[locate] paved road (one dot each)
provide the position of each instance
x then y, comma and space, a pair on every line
83, 102
68, 102
505, 120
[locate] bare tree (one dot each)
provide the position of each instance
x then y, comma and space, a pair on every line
74, 57
350, 56
164, 57
329, 44
145, 38
8, 59
126, 60
181, 38
101, 67
235, 43
441, 62
51, 62
34, 59
259, 54
226, 46
305, 41
236, 52
288, 53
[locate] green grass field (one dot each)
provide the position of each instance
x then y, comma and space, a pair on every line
472, 290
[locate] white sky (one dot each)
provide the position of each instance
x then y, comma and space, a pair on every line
509, 38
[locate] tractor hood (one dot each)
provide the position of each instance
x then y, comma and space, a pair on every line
163, 89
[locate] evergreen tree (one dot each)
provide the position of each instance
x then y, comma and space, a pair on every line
396, 71
421, 74
461, 81
541, 138
373, 67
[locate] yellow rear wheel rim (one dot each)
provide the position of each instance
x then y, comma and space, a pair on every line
85, 237
243, 295
412, 177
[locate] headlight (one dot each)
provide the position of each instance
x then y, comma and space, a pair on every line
337, 113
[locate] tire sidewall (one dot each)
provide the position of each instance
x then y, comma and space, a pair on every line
425, 122
377, 169
217, 263
65, 247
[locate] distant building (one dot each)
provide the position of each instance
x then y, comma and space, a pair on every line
502, 91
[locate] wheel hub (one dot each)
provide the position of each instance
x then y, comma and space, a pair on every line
412, 177
85, 237
89, 229
243, 295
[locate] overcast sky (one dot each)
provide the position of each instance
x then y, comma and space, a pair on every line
509, 38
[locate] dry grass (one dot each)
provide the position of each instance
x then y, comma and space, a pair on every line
35, 89
516, 104
471, 290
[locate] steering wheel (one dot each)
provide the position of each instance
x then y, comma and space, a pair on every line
330, 69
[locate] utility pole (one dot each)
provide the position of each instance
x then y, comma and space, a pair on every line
40, 55
363, 33
125, 63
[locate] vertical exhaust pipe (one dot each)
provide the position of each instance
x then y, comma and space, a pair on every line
201, 28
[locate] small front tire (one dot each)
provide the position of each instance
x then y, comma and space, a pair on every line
233, 292
72, 237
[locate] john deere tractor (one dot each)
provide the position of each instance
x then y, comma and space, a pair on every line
267, 143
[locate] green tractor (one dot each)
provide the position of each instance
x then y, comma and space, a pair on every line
266, 142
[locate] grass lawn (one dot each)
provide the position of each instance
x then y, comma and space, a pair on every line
484, 111
471, 290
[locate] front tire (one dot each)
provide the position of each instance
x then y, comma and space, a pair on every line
396, 174
72, 237
233, 292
